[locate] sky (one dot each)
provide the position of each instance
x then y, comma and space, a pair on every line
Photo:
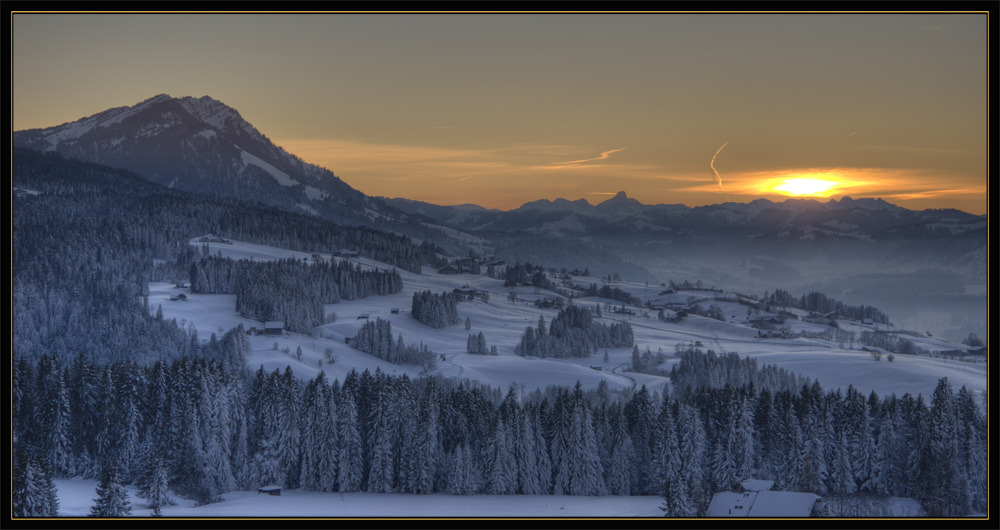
503, 109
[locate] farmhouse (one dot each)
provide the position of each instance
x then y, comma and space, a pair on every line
756, 499
274, 327
465, 293
448, 269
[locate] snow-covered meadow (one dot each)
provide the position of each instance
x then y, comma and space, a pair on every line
502, 322
76, 496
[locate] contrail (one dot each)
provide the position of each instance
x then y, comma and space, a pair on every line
712, 165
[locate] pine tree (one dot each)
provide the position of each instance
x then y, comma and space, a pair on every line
32, 490
112, 499
622, 454
501, 471
154, 485
349, 454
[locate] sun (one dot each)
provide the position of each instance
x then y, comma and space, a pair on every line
806, 187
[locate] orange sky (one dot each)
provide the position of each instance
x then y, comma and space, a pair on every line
499, 110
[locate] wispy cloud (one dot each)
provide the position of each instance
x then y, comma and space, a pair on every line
580, 163
933, 194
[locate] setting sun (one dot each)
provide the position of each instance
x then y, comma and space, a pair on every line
805, 186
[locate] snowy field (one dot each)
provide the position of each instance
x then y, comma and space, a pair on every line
76, 496
502, 322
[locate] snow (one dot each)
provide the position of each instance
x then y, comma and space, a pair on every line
455, 234
278, 174
307, 208
757, 485
315, 194
762, 504
955, 228
783, 504
840, 225
503, 322
76, 496
206, 134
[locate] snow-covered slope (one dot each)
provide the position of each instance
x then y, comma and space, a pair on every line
502, 322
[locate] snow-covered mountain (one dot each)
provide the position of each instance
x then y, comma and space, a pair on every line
204, 146
624, 220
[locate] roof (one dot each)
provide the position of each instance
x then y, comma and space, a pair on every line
757, 485
274, 325
762, 504
730, 504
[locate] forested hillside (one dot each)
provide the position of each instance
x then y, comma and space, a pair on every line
86, 245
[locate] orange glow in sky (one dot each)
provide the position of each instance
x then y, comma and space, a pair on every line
815, 187
503, 109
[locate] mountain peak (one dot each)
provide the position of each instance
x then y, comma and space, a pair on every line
620, 201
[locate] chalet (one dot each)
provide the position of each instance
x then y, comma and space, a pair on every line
867, 321
344, 253
547, 303
275, 327
210, 238
317, 257
347, 340
363, 316
598, 368
181, 297
448, 269
394, 310
270, 490
465, 293
755, 498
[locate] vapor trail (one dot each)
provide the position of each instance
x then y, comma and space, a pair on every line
712, 165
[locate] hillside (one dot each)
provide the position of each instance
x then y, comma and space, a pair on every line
502, 322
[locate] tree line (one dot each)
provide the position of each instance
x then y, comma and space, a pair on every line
213, 427
289, 290
435, 310
821, 303
376, 338
573, 333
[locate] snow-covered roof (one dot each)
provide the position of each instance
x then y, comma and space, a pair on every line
276, 324
762, 504
783, 504
757, 485
730, 504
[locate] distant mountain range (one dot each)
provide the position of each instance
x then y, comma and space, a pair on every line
204, 146
623, 221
